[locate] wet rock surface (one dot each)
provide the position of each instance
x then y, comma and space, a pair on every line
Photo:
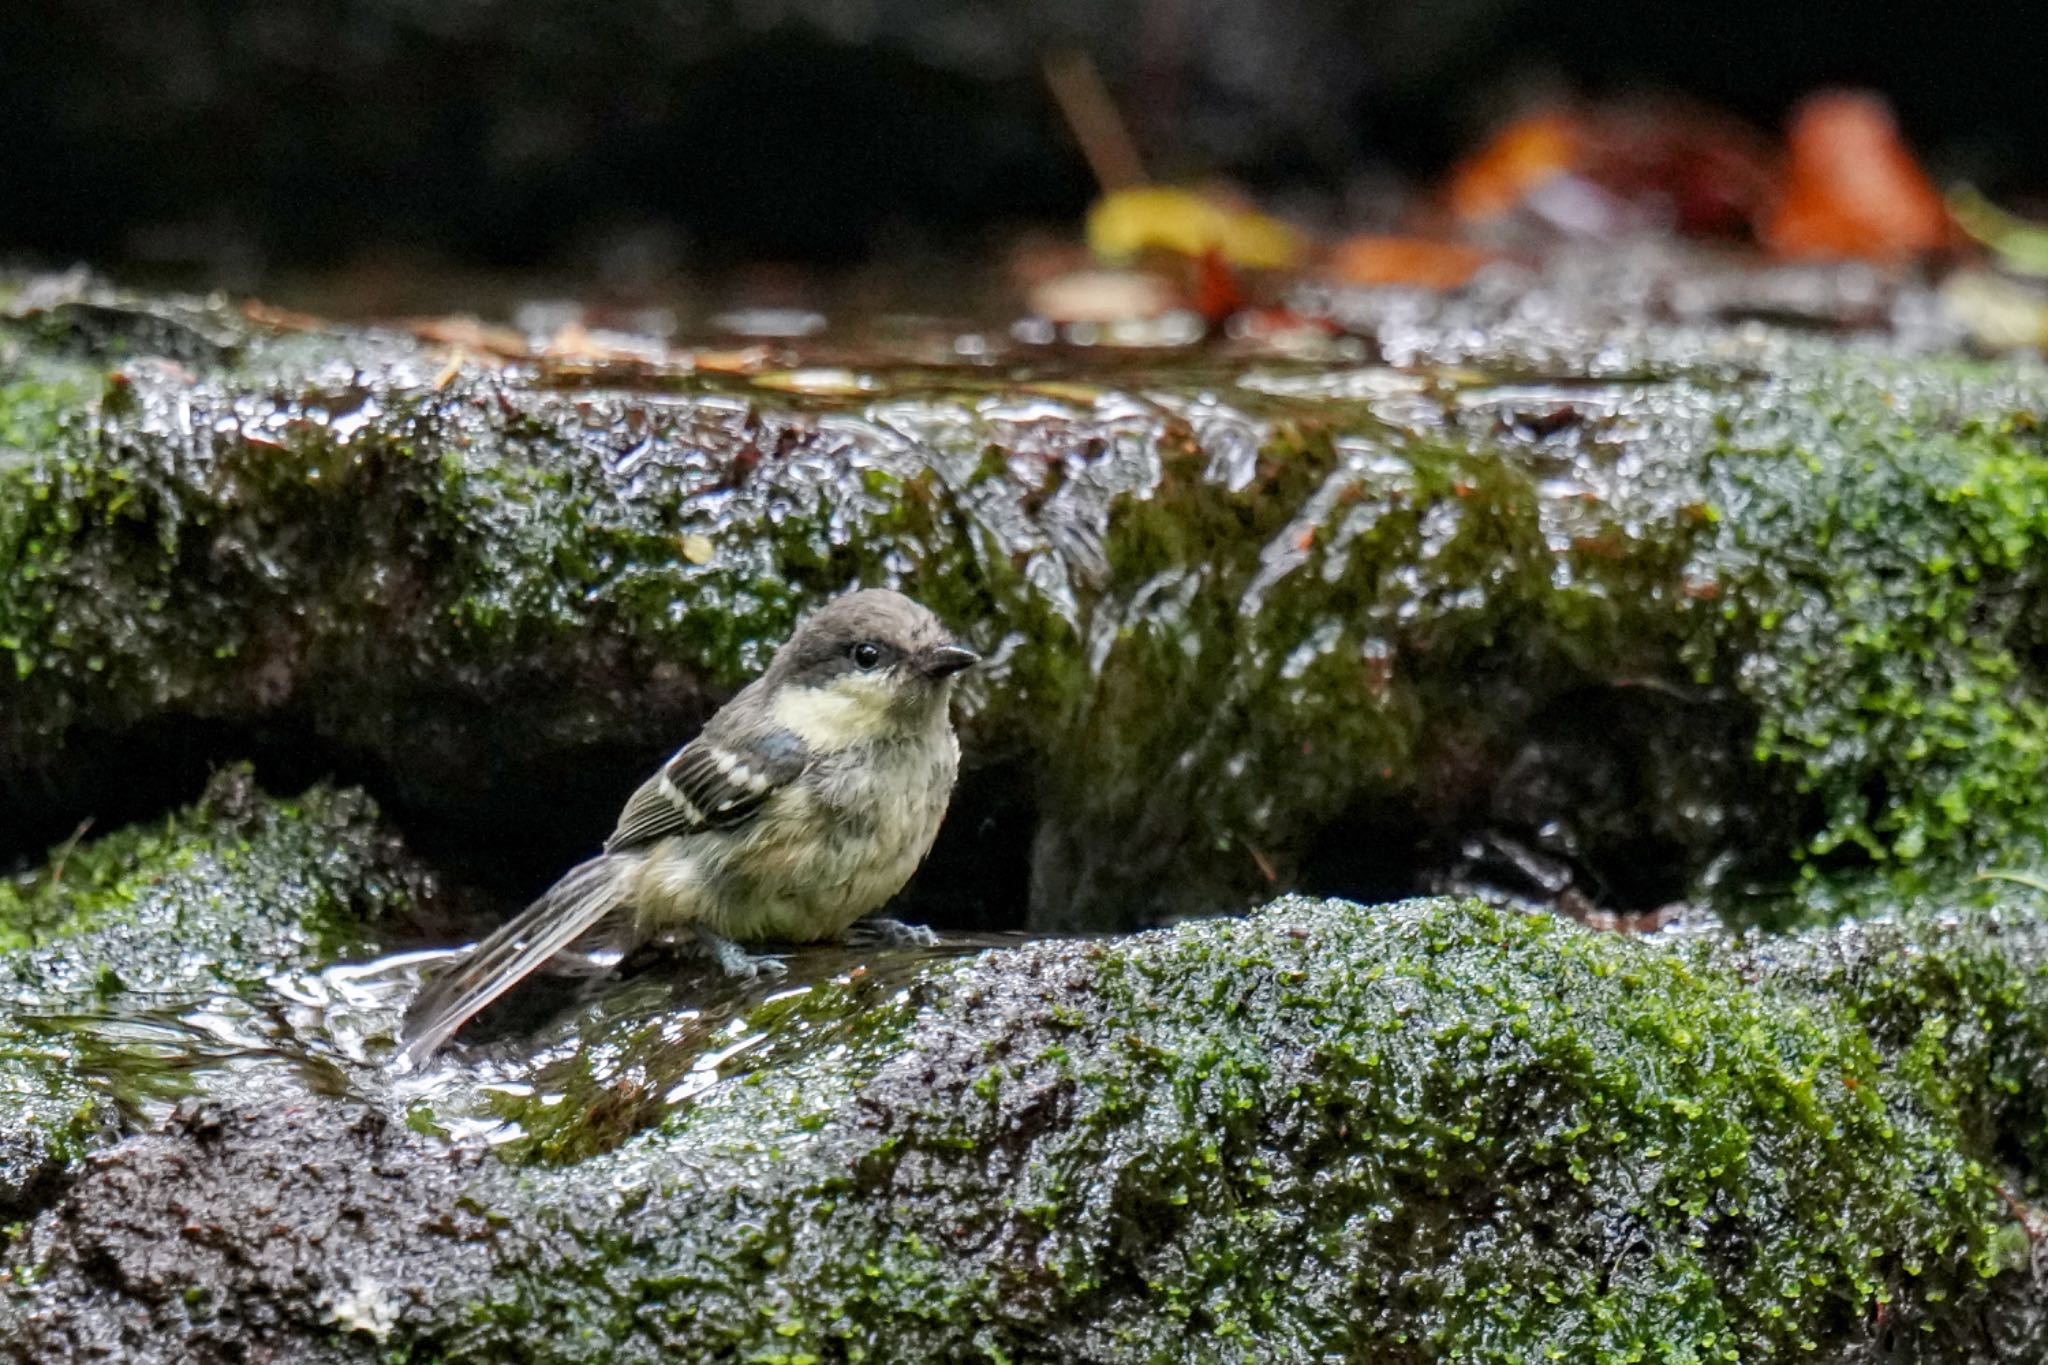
1596, 606
289, 1231
131, 963
1583, 604
1423, 1131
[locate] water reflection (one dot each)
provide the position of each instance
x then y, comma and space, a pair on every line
569, 1066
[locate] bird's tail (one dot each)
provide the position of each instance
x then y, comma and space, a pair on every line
584, 895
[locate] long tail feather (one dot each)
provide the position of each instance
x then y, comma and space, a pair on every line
584, 895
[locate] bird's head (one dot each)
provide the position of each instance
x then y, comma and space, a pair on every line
863, 665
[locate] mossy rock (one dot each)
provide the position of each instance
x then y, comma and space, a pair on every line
1722, 615
1421, 1132
106, 951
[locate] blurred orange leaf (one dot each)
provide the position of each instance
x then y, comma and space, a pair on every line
1368, 259
1620, 167
1495, 179
1853, 187
1217, 292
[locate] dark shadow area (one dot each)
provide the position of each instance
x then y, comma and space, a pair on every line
1616, 799
229, 142
2027, 637
534, 818
106, 781
978, 877
1377, 850
201, 139
507, 843
540, 817
1620, 799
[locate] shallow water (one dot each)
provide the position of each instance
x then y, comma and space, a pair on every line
670, 1032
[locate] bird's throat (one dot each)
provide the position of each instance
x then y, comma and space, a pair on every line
828, 719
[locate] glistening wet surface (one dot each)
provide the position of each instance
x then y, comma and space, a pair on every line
646, 1045
1597, 610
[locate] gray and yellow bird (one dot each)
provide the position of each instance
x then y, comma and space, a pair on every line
806, 802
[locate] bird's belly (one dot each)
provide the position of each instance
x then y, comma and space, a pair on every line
800, 879
815, 892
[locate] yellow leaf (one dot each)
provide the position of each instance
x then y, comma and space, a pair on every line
1125, 222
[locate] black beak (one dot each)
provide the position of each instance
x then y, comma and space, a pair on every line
943, 661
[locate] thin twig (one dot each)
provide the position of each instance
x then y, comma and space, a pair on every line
453, 368
1093, 117
1265, 865
2023, 1214
64, 850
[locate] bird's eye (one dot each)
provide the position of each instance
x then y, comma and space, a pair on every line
867, 655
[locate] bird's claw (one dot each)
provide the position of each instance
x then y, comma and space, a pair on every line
890, 933
737, 963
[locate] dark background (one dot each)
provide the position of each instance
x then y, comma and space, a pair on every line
209, 141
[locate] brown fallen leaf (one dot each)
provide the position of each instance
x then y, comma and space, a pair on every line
280, 319
478, 338
1419, 261
1493, 181
1853, 188
1629, 165
743, 360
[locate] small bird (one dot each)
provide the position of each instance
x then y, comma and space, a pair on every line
806, 802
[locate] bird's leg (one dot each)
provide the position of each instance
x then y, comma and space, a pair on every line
736, 961
890, 933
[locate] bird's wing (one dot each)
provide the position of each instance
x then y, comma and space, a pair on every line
710, 784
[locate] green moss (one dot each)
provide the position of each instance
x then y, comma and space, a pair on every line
1834, 574
262, 884
1423, 1132
1957, 1000
1237, 614
203, 908
1891, 557
36, 404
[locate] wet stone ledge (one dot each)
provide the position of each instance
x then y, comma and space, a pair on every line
1600, 616
130, 963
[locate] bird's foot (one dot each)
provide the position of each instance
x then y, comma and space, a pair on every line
890, 933
736, 961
